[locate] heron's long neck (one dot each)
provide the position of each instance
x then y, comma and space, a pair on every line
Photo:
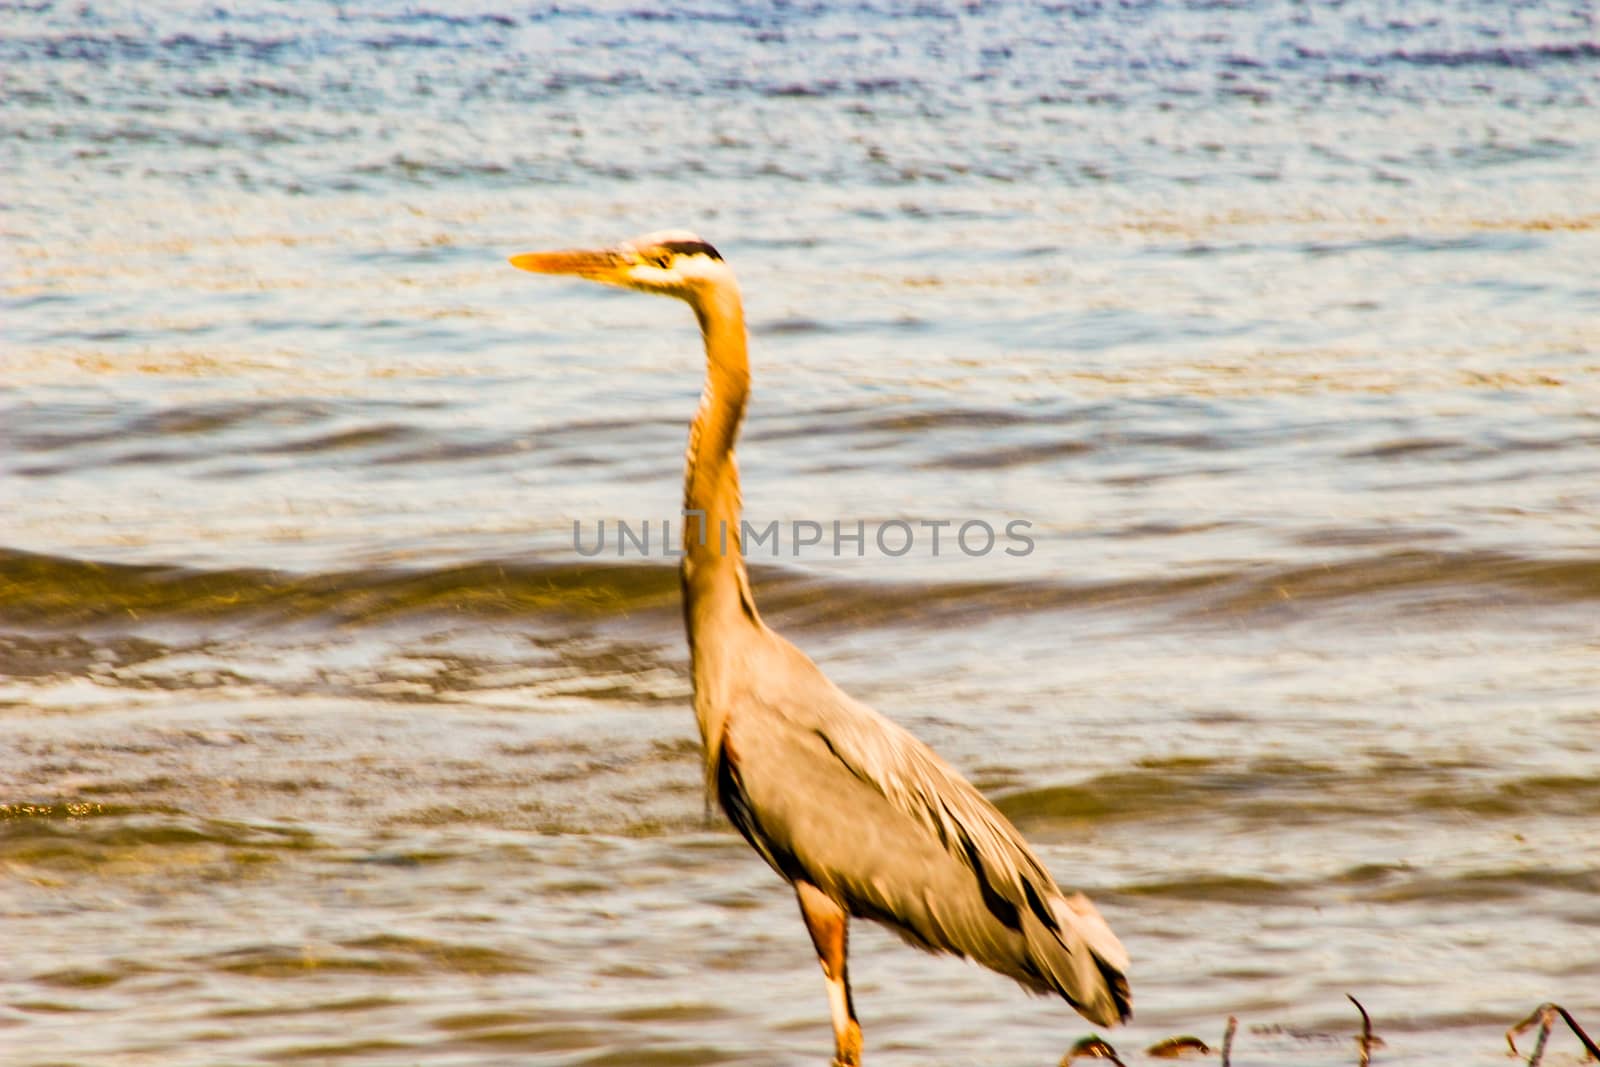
714, 583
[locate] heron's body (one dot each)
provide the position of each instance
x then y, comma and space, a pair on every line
860, 816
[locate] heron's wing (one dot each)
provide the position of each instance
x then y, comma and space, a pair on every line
933, 852
915, 780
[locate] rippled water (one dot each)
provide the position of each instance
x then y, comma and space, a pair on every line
1277, 322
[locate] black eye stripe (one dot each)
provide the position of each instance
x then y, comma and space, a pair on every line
691, 248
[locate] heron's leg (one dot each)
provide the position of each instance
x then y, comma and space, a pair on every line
829, 927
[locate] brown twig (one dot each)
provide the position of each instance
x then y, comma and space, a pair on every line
1546, 1020
1093, 1047
1577, 1031
1175, 1047
1538, 1015
1366, 1031
1227, 1041
1544, 1016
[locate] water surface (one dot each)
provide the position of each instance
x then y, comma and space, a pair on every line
1276, 322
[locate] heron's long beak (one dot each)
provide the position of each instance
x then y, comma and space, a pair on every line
602, 264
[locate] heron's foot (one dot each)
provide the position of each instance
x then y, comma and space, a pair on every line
847, 1047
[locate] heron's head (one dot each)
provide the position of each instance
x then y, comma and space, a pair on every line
671, 262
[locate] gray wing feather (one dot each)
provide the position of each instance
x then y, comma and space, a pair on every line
876, 819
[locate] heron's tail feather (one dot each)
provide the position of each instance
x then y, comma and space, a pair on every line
1088, 965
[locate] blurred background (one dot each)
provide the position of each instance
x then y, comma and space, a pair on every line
1276, 320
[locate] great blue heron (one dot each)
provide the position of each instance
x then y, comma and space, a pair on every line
860, 816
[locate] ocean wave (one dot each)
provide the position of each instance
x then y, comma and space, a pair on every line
1515, 56
39, 590
1268, 790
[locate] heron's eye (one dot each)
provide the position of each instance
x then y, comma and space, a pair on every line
661, 260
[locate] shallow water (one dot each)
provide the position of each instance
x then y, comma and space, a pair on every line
1276, 324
